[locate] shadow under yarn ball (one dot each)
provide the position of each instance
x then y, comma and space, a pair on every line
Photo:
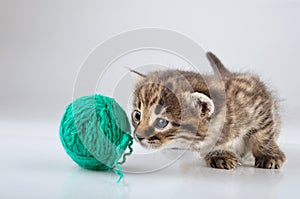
95, 132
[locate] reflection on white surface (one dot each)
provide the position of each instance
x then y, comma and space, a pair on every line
36, 166
88, 184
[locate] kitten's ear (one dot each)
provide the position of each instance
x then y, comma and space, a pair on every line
136, 75
204, 103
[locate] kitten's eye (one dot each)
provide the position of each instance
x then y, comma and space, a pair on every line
136, 115
161, 123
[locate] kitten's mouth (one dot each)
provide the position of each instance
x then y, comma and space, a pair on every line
148, 144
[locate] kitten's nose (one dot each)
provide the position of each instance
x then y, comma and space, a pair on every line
140, 138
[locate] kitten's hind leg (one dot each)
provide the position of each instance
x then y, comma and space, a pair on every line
221, 159
266, 152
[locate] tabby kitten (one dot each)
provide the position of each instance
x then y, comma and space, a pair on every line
175, 109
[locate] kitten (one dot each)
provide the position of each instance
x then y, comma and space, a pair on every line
226, 121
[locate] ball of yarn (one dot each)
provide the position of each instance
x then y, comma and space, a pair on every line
95, 133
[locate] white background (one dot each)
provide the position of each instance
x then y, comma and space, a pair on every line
43, 44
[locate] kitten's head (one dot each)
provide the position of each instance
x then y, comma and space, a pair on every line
166, 113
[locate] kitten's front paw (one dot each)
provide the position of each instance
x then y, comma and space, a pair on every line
221, 160
269, 162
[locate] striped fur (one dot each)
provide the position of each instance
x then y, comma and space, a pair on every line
245, 120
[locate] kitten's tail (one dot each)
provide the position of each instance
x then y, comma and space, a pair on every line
217, 64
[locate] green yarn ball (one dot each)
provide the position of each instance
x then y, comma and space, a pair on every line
95, 132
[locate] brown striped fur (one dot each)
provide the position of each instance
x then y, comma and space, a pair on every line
245, 115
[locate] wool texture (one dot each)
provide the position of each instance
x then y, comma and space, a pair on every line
95, 133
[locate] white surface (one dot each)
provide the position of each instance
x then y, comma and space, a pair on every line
34, 165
